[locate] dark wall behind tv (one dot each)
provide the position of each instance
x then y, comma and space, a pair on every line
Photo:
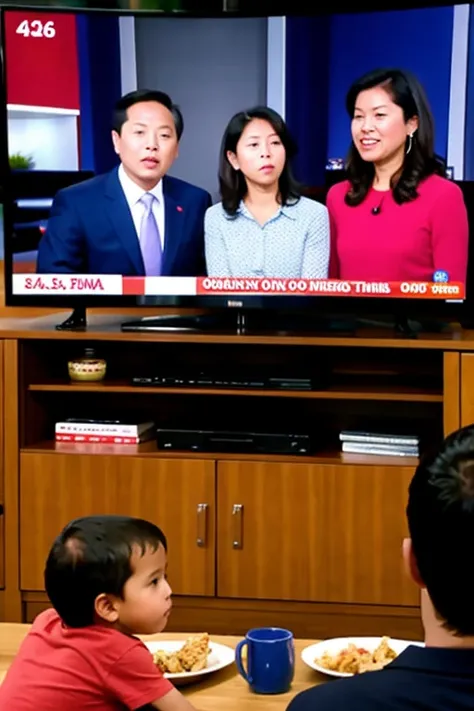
212, 68
348, 46
469, 136
215, 67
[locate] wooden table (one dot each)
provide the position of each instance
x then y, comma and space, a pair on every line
223, 690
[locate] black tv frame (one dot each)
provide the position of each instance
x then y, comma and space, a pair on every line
314, 307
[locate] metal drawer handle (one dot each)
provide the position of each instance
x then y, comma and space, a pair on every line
201, 539
237, 516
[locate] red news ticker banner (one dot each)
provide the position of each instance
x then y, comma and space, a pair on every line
41, 59
117, 285
329, 287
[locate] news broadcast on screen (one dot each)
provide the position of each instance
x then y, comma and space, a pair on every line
147, 158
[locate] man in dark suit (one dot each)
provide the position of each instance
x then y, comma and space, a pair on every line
134, 220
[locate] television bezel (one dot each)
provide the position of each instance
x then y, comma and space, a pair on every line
412, 308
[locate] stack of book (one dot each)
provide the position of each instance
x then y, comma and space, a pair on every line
103, 431
391, 445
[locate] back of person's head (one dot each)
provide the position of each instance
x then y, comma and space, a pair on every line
143, 95
405, 91
92, 556
440, 516
233, 186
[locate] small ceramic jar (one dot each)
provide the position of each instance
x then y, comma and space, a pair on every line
88, 368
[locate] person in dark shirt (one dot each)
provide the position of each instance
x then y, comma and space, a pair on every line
440, 675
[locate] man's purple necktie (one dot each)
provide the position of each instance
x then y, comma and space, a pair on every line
150, 242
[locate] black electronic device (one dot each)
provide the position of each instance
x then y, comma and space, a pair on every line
230, 442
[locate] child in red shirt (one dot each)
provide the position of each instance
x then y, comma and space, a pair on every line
106, 579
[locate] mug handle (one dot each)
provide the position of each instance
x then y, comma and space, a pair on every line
238, 660
292, 656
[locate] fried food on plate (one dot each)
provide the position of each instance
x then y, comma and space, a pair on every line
355, 660
191, 657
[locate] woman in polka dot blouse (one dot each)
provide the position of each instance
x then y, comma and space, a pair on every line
263, 227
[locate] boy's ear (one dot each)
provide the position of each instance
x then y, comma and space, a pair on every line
106, 608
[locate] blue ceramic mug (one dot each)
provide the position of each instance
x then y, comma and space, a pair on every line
270, 660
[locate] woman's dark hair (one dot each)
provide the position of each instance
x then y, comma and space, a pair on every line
233, 186
406, 92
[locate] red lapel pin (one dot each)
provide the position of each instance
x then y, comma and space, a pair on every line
179, 208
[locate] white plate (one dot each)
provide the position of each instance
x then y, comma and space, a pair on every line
220, 656
333, 646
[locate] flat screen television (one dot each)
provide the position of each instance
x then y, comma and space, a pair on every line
73, 239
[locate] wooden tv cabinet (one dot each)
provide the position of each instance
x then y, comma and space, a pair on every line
307, 542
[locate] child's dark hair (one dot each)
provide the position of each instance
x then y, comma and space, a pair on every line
91, 556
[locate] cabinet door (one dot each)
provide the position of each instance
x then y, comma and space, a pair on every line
467, 389
2, 548
55, 488
313, 532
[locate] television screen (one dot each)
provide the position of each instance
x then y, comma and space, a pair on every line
176, 158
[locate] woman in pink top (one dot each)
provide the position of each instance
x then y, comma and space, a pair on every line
396, 218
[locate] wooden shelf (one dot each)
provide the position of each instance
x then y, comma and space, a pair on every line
150, 449
107, 326
370, 383
346, 392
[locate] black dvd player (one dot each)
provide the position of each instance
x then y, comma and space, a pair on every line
232, 442
244, 381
